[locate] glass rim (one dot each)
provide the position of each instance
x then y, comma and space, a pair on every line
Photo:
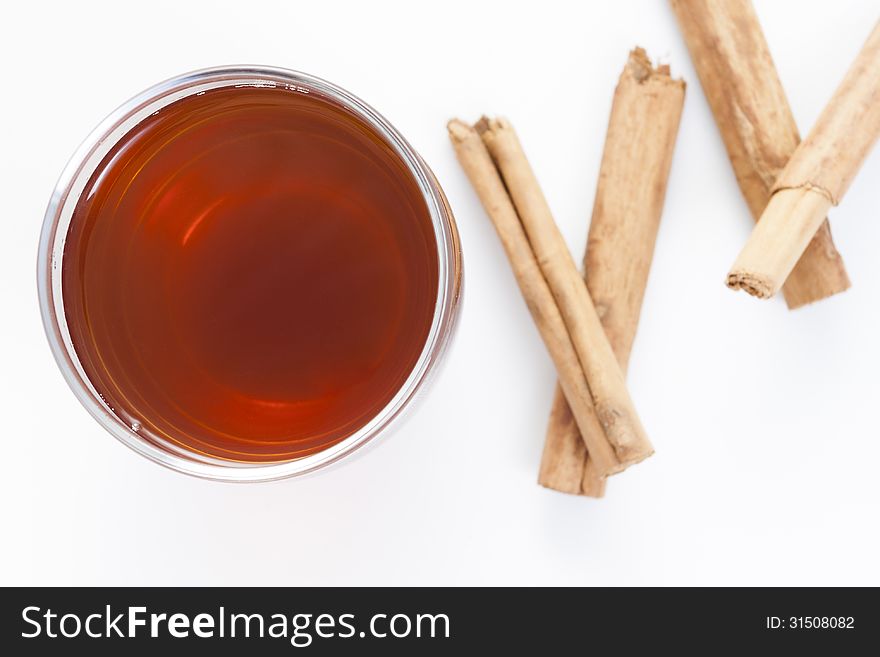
86, 160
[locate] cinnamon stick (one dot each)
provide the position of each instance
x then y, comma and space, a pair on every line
815, 178
486, 180
742, 86
645, 115
611, 400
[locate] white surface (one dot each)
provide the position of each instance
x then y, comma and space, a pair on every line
764, 420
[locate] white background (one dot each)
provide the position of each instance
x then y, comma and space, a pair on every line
765, 421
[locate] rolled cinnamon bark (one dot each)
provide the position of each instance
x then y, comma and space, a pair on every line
614, 408
815, 178
486, 180
742, 86
645, 115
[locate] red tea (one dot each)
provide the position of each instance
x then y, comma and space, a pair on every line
250, 274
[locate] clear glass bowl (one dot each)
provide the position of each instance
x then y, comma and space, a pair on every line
89, 156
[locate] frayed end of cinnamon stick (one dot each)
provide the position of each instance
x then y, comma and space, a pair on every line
458, 130
756, 285
482, 126
640, 68
490, 128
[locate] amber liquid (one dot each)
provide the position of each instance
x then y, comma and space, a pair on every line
251, 274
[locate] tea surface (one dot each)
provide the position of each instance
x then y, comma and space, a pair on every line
251, 274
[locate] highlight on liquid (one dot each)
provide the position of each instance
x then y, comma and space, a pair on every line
250, 274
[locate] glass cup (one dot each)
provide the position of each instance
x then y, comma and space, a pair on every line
88, 158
